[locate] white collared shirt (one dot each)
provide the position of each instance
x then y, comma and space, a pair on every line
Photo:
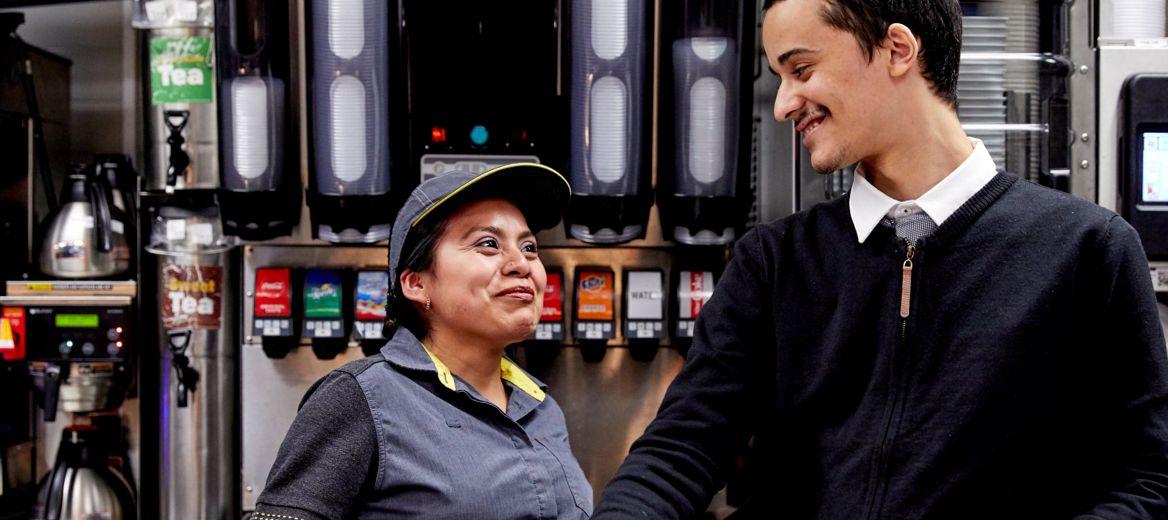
869, 205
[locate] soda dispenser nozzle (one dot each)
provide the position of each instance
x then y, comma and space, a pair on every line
176, 122
186, 377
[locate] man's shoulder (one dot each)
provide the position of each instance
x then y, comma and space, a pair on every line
825, 217
1037, 201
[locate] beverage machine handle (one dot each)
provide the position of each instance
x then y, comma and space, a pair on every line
187, 378
176, 122
102, 228
55, 374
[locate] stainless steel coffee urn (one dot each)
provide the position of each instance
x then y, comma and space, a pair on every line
83, 484
86, 235
180, 77
197, 373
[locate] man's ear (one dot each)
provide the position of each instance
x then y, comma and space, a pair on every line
903, 48
413, 286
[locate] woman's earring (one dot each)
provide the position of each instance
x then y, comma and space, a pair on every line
427, 305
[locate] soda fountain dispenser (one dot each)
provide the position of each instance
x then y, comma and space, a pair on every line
324, 315
610, 155
551, 320
692, 289
369, 311
259, 161
704, 159
595, 321
644, 308
273, 319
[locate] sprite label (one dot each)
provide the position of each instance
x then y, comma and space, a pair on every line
181, 70
322, 294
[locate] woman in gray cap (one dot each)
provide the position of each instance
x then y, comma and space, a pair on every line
440, 424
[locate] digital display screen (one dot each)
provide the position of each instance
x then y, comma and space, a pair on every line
1155, 166
76, 321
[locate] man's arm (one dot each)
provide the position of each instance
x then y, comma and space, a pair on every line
328, 457
1134, 380
681, 460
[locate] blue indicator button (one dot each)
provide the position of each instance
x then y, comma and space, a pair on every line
479, 135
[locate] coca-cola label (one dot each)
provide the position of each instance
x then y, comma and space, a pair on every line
273, 293
553, 299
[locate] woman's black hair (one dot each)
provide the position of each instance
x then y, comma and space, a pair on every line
417, 255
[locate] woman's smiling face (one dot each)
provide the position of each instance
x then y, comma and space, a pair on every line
487, 280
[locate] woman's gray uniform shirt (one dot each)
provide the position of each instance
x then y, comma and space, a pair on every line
397, 434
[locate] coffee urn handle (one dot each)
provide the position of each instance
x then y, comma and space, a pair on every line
102, 228
53, 380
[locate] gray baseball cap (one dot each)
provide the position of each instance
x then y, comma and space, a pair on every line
540, 193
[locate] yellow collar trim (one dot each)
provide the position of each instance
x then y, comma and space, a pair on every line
518, 378
444, 375
509, 371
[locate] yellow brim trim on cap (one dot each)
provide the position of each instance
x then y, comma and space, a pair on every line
484, 176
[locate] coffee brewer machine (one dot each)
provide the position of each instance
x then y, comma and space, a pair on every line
80, 350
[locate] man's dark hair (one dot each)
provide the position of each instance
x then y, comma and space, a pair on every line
417, 255
936, 22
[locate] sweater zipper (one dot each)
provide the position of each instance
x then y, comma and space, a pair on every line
906, 271
906, 287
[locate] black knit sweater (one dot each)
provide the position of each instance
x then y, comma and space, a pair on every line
1029, 379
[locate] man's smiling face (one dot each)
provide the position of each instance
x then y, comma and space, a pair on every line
834, 93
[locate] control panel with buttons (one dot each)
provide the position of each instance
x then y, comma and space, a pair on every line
77, 333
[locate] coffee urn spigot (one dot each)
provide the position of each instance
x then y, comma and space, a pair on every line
176, 121
186, 376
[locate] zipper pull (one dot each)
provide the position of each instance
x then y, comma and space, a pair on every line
906, 280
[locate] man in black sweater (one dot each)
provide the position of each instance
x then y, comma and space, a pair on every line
945, 342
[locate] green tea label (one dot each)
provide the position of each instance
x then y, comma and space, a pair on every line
181, 70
